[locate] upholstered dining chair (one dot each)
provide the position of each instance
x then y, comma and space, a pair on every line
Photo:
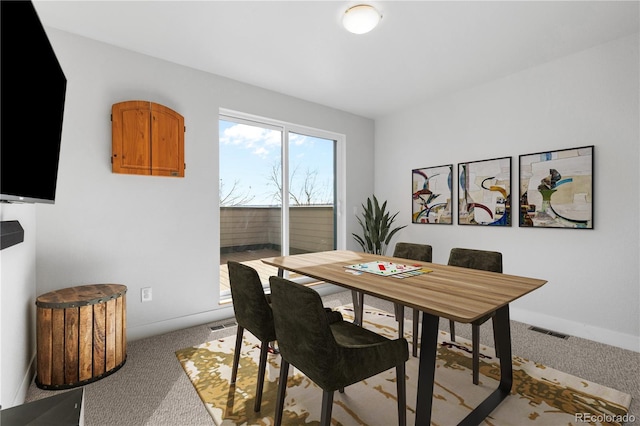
486, 261
421, 253
253, 313
331, 352
412, 251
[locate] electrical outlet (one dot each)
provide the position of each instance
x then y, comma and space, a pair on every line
145, 294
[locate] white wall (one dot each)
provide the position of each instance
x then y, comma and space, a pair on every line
161, 232
590, 98
137, 230
17, 307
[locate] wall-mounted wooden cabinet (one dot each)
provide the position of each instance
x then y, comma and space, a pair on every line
148, 139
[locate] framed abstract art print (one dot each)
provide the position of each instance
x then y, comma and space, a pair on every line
484, 192
556, 189
431, 195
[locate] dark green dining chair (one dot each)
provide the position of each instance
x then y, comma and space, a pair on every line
421, 253
332, 353
486, 261
253, 313
411, 251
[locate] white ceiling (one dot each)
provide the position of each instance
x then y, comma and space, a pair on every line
420, 49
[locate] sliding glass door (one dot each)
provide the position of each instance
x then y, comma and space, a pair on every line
278, 192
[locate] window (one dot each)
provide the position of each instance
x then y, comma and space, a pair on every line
280, 188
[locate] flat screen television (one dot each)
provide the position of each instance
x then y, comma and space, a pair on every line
33, 88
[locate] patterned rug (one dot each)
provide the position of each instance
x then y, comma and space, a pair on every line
540, 395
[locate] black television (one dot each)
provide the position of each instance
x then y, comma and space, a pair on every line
32, 92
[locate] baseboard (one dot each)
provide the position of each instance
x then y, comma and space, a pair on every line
135, 332
21, 393
572, 328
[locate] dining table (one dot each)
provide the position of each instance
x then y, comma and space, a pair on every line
439, 291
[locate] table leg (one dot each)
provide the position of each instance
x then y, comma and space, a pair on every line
427, 368
503, 336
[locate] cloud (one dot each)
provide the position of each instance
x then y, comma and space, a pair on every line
298, 139
260, 141
261, 151
256, 139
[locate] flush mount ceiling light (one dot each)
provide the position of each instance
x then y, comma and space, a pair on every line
361, 19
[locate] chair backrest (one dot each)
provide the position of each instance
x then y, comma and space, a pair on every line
476, 259
250, 304
304, 335
420, 252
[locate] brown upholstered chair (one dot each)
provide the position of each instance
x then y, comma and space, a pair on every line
331, 352
253, 313
482, 260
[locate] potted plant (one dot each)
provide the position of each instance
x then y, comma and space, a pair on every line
376, 225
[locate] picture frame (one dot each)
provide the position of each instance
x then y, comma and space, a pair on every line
556, 189
484, 192
431, 195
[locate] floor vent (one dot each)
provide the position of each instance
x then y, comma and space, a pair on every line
549, 332
221, 326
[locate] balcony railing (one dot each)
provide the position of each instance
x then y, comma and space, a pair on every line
250, 233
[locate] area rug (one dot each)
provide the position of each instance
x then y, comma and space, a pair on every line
540, 395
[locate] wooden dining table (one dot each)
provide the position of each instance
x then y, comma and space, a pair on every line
459, 294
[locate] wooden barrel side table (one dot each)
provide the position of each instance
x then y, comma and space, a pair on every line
81, 335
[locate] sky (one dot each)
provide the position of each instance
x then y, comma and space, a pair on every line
249, 156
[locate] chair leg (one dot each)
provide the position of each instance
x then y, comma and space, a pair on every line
282, 389
402, 394
358, 308
327, 405
236, 354
475, 338
262, 366
416, 322
452, 328
399, 312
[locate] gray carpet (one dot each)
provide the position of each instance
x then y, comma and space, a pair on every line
152, 388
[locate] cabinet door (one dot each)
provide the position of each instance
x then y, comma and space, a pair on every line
167, 142
148, 139
131, 139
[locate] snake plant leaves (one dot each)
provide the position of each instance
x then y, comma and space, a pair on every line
376, 225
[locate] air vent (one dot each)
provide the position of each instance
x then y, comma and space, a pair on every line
221, 326
549, 332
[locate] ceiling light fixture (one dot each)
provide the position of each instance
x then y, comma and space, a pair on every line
361, 19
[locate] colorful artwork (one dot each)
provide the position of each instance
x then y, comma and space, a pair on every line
484, 192
556, 189
431, 195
